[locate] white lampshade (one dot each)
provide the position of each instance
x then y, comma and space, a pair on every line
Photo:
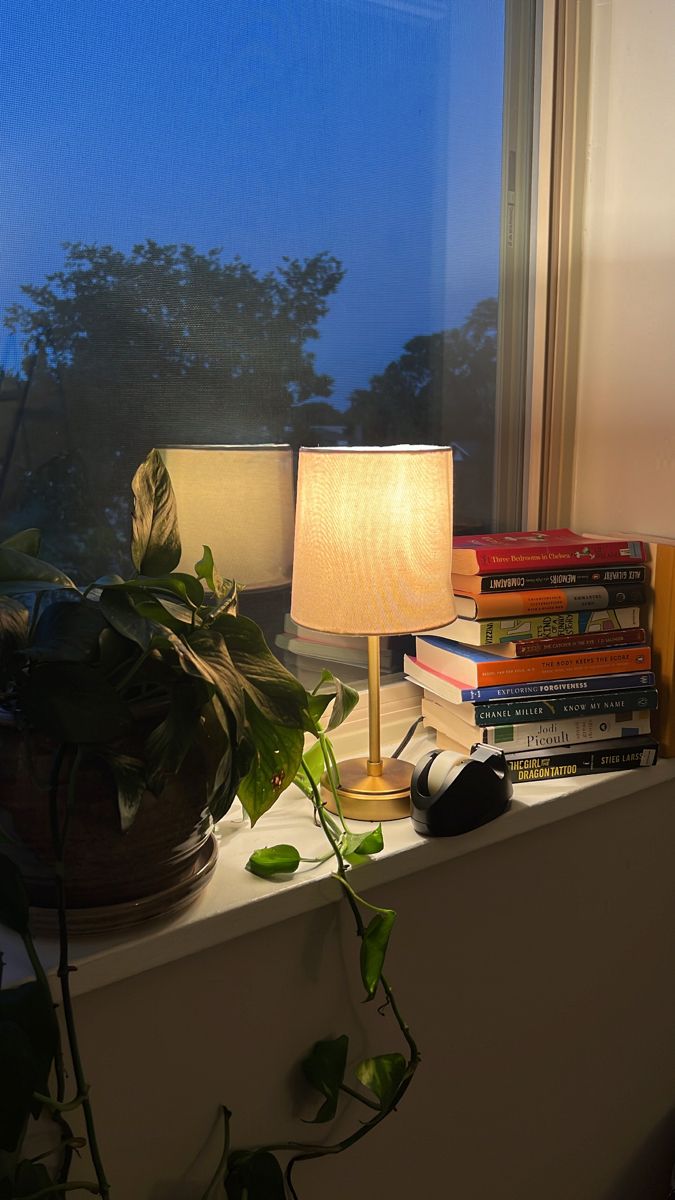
239, 501
373, 539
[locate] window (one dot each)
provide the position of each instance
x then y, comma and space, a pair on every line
267, 220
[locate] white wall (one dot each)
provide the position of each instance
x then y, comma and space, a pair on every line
625, 459
538, 975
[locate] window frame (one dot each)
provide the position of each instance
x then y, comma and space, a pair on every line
522, 38
558, 180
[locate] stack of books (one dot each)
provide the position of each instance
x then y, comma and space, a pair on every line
548, 658
307, 651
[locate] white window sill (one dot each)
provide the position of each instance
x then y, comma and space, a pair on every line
235, 902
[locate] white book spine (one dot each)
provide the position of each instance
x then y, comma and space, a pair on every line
544, 735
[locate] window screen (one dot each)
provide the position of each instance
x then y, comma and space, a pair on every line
252, 221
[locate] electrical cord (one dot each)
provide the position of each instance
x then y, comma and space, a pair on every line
402, 745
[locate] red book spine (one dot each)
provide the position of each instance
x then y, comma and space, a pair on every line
567, 643
495, 558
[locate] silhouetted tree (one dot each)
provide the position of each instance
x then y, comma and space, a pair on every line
440, 389
179, 340
443, 384
317, 423
167, 345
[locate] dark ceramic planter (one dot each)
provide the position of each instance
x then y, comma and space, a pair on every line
162, 855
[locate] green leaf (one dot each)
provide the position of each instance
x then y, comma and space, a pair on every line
18, 1080
224, 784
27, 541
129, 776
346, 699
244, 754
382, 1076
170, 740
13, 898
30, 1007
363, 843
374, 948
177, 586
30, 1177
324, 1068
204, 653
155, 541
314, 762
67, 631
118, 609
183, 587
234, 761
274, 860
254, 1175
274, 690
206, 569
74, 703
356, 860
276, 755
330, 688
21, 572
105, 581
148, 606
114, 652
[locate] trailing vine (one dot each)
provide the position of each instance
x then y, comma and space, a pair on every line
27, 1014
72, 670
256, 1174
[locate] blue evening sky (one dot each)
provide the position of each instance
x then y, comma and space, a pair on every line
367, 128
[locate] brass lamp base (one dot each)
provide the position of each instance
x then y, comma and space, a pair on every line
364, 797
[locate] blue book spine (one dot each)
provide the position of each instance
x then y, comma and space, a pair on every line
541, 687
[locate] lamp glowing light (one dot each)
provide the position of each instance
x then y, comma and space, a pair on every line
239, 501
373, 551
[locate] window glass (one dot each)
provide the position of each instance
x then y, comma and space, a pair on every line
252, 221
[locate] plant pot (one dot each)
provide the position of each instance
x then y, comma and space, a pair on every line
155, 866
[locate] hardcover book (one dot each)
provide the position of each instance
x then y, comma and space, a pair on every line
575, 704
583, 760
539, 627
537, 735
510, 552
478, 668
565, 762
536, 580
548, 600
575, 643
452, 690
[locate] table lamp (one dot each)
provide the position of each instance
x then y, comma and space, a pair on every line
239, 501
373, 550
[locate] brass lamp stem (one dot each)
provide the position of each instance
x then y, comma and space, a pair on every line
372, 788
374, 750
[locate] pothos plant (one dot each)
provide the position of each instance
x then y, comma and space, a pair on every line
74, 665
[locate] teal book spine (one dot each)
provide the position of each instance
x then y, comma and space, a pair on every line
577, 704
